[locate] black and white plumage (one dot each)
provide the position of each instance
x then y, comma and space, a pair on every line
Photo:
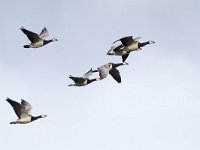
37, 40
110, 68
84, 80
117, 50
23, 112
128, 44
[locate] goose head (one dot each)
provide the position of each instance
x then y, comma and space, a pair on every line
125, 63
151, 42
43, 116
54, 40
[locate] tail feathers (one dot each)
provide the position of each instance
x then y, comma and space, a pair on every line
13, 122
26, 46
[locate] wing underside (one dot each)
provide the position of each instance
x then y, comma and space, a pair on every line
44, 33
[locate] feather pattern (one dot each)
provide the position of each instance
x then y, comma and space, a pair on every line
115, 74
16, 106
44, 33
88, 74
33, 37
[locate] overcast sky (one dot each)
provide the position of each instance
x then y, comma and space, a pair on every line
156, 107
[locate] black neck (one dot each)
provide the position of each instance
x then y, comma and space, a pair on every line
91, 80
35, 118
116, 65
47, 41
142, 44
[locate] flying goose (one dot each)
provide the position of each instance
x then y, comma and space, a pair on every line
110, 68
37, 40
128, 45
84, 80
23, 112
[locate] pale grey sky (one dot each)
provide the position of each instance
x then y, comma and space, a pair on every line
156, 107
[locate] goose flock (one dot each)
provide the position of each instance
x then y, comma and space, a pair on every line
123, 48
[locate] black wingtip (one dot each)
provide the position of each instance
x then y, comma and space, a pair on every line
7, 99
116, 41
22, 28
22, 100
10, 101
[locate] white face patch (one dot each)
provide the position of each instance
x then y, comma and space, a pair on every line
54, 39
151, 42
43, 116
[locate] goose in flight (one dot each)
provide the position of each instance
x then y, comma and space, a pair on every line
84, 80
37, 40
110, 68
23, 112
128, 44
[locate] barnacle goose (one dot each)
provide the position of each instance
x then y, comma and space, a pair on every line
37, 40
23, 112
128, 44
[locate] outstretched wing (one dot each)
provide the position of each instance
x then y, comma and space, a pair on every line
33, 37
88, 74
110, 51
119, 48
136, 39
115, 48
125, 40
44, 33
124, 57
115, 74
77, 79
26, 106
16, 106
128, 40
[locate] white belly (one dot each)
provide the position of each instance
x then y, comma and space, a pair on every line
103, 71
24, 120
37, 44
132, 47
